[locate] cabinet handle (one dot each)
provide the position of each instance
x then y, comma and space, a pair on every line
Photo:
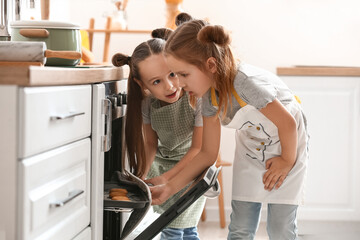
72, 195
70, 115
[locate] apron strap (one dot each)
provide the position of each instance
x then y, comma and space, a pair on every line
213, 98
237, 97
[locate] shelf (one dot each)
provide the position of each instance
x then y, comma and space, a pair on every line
108, 31
318, 71
116, 31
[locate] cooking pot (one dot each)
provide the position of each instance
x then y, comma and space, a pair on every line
59, 36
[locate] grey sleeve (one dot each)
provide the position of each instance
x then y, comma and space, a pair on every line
257, 91
145, 109
198, 115
207, 109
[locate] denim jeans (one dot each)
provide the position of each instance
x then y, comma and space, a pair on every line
179, 234
245, 216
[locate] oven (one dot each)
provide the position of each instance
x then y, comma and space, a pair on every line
109, 108
108, 221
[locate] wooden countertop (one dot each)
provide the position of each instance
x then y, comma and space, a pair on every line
318, 71
25, 75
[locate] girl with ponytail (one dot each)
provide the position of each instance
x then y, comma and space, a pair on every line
163, 132
271, 130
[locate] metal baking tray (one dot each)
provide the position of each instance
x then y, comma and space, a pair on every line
138, 198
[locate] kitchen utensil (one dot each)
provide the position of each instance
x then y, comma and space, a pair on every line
4, 34
45, 9
32, 52
58, 36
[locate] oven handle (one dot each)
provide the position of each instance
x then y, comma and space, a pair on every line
107, 111
72, 195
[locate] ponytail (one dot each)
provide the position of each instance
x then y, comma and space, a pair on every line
162, 33
214, 34
134, 134
182, 18
133, 129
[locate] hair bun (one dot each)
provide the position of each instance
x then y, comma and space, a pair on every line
120, 59
182, 18
162, 33
215, 34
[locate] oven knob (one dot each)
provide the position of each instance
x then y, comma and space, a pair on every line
113, 100
122, 99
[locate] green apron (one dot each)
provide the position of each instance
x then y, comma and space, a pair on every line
174, 125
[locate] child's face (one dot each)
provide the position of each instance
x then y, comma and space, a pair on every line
159, 80
191, 78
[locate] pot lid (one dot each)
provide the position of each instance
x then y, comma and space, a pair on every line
43, 24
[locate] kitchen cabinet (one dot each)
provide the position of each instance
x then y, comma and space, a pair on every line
332, 106
46, 151
48, 158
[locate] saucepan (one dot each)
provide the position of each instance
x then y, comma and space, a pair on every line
58, 36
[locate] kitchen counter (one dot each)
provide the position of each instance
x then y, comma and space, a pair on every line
330, 98
25, 75
318, 71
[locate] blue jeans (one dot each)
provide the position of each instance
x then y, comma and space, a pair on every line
179, 234
245, 216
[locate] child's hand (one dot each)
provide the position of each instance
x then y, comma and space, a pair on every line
160, 194
277, 170
156, 180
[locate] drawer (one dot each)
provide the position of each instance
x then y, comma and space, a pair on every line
50, 117
54, 192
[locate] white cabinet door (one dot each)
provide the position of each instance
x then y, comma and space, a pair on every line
332, 107
54, 193
50, 117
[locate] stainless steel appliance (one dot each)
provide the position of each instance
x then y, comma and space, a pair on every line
14, 14
108, 157
4, 18
109, 107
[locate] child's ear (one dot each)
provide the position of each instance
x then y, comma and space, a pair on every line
142, 86
140, 83
211, 64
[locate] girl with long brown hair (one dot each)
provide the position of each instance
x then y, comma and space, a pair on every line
271, 130
163, 131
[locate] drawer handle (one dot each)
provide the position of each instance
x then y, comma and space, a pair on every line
71, 196
70, 115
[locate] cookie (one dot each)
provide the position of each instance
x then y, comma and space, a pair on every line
120, 198
113, 194
122, 190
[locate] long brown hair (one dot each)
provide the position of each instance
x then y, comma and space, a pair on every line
195, 41
134, 135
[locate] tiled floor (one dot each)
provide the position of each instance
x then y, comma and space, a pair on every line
311, 231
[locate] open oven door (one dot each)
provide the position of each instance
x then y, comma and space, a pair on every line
205, 184
140, 201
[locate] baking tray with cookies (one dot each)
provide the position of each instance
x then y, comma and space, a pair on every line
125, 191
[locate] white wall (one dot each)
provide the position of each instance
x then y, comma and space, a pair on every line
265, 33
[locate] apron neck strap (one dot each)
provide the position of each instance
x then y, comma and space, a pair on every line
237, 97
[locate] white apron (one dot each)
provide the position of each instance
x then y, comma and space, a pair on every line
257, 140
